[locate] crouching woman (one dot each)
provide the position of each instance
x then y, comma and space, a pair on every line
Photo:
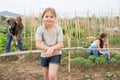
98, 44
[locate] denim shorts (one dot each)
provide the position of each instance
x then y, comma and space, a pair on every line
45, 61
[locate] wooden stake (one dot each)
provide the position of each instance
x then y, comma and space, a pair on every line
69, 57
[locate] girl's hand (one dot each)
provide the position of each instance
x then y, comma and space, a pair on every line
49, 52
56, 52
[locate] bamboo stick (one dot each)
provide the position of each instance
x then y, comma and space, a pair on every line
39, 51
69, 56
69, 62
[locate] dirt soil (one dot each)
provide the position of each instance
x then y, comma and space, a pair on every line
29, 69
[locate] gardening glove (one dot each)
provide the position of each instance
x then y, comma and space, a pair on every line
15, 38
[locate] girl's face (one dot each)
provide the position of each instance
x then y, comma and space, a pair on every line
104, 39
49, 18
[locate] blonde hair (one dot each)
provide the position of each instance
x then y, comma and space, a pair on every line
49, 9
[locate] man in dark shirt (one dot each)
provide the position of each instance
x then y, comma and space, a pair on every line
14, 31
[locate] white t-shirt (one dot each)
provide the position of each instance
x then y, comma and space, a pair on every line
49, 38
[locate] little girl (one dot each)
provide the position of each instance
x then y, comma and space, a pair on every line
49, 39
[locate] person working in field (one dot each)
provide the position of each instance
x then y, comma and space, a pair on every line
101, 42
14, 31
49, 38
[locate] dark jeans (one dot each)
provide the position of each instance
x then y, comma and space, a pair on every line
9, 39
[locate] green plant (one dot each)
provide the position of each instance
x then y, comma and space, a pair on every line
78, 60
88, 63
117, 56
3, 30
2, 42
110, 74
87, 75
92, 58
114, 40
64, 51
114, 52
100, 60
74, 52
113, 60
